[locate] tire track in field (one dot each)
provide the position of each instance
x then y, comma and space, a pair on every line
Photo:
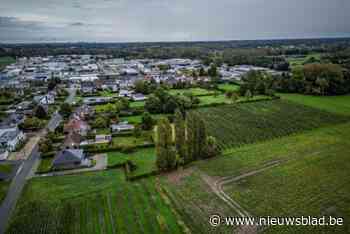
217, 187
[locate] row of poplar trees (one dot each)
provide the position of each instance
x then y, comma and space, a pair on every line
186, 142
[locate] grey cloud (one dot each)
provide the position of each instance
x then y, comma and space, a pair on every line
166, 20
78, 24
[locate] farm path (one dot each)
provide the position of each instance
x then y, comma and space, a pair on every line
217, 185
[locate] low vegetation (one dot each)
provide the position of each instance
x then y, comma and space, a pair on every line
100, 202
236, 125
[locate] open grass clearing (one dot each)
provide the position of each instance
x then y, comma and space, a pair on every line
228, 87
194, 91
143, 159
335, 104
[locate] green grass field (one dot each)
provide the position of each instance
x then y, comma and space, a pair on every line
298, 62
222, 99
101, 202
4, 61
236, 125
137, 119
194, 91
137, 104
336, 104
144, 159
229, 87
45, 165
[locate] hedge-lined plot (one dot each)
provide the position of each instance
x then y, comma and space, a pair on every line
101, 202
240, 124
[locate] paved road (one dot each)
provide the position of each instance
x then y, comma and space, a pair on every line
15, 189
54, 121
25, 169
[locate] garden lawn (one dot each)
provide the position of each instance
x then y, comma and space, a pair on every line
45, 165
107, 94
95, 202
144, 159
229, 87
335, 104
194, 91
137, 104
239, 124
137, 119
130, 140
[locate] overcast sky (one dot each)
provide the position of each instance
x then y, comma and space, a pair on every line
170, 20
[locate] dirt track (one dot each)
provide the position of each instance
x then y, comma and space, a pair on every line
217, 188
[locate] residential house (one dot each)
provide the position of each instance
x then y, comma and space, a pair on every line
10, 138
70, 159
72, 140
78, 126
122, 127
125, 93
101, 139
88, 88
47, 99
138, 97
84, 111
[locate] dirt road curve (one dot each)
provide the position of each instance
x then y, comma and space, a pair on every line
217, 187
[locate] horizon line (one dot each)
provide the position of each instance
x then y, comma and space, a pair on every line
179, 41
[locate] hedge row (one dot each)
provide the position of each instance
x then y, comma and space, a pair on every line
93, 149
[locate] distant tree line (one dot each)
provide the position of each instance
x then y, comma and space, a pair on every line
315, 79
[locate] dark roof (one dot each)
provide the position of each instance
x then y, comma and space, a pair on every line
68, 156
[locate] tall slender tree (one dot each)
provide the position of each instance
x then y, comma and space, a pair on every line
180, 134
166, 154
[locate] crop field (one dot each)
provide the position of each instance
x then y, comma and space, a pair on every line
195, 202
336, 104
314, 179
236, 125
101, 202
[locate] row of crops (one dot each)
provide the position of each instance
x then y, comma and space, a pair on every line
240, 124
192, 200
126, 208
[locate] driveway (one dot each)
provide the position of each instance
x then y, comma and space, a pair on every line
25, 152
101, 164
